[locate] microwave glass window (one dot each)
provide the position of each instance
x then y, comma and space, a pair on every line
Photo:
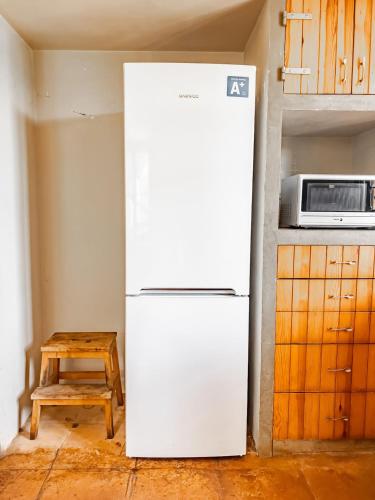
335, 196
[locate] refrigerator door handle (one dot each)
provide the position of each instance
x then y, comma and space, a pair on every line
187, 291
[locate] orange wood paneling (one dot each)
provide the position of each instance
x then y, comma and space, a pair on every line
285, 260
329, 361
357, 415
280, 416
328, 46
326, 413
359, 367
283, 327
315, 327
300, 295
318, 259
370, 412
311, 416
313, 368
334, 256
293, 48
296, 415
284, 293
297, 368
299, 327
366, 262
344, 54
362, 44
362, 327
282, 368
301, 261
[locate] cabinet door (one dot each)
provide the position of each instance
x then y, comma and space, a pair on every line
364, 21
310, 44
328, 46
344, 56
293, 46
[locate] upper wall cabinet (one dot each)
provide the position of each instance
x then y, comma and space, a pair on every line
329, 47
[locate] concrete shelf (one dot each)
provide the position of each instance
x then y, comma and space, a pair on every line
291, 236
328, 102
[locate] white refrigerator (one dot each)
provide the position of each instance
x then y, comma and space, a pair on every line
188, 160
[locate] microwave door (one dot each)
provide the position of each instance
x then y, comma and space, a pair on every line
335, 196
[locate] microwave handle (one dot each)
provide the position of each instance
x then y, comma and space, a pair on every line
372, 195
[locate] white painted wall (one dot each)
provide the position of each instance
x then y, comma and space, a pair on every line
317, 155
364, 152
19, 335
329, 155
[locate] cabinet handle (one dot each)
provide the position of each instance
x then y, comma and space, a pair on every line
336, 419
337, 370
344, 64
346, 296
345, 262
361, 69
349, 329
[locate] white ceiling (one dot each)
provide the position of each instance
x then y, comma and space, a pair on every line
207, 25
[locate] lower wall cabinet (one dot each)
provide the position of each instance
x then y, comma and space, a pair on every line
324, 416
324, 385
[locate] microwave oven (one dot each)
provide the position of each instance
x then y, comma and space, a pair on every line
328, 201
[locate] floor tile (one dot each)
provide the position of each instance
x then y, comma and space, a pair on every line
24, 484
171, 463
265, 483
87, 447
81, 414
40, 458
245, 462
347, 477
85, 485
24, 453
171, 484
51, 435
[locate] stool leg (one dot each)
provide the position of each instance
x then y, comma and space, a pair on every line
108, 370
117, 377
35, 417
55, 370
108, 418
44, 367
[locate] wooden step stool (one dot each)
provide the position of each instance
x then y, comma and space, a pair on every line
73, 345
72, 394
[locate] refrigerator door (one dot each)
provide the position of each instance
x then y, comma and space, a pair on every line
188, 155
186, 376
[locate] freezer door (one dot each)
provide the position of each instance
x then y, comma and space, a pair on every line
186, 376
188, 163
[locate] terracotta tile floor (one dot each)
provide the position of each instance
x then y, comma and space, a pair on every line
71, 459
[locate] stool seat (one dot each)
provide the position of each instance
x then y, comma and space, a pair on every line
80, 341
72, 391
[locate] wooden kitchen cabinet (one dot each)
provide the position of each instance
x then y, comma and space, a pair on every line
324, 380
331, 44
341, 415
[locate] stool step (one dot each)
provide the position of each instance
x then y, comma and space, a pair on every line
72, 391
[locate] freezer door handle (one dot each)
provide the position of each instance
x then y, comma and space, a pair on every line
187, 291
